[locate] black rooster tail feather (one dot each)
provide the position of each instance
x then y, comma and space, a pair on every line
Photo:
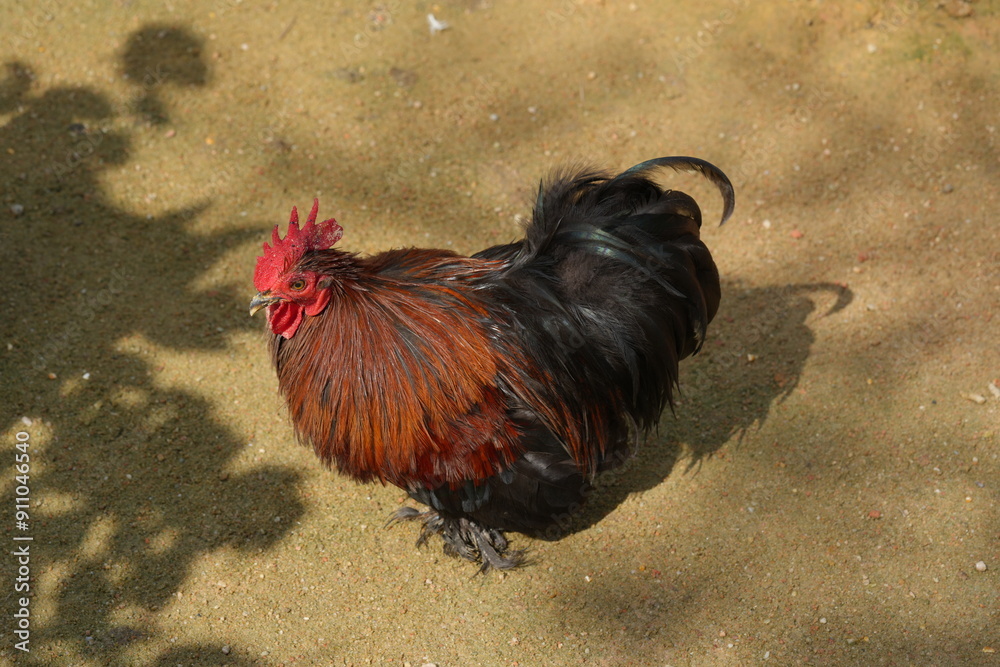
612, 287
609, 289
703, 167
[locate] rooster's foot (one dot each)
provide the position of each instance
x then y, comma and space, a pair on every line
463, 538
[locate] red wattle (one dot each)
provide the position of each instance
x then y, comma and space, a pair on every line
284, 318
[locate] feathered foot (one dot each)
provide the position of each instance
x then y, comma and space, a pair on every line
463, 538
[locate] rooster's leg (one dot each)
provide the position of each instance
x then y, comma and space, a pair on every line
464, 538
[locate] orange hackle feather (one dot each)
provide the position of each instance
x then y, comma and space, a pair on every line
399, 380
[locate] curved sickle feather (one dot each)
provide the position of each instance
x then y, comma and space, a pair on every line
703, 167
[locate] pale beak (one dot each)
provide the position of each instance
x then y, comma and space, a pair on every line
262, 300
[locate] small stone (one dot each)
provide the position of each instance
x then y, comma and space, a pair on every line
16, 209
227, 650
874, 514
981, 566
948, 188
975, 398
796, 234
350, 75
958, 9
404, 78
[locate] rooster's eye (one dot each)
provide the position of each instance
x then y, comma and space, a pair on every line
298, 285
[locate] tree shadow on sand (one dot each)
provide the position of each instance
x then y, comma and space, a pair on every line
129, 481
724, 393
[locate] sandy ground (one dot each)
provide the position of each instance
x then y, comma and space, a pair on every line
828, 485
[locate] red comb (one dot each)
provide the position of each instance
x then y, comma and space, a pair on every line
284, 253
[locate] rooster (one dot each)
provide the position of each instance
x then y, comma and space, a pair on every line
493, 388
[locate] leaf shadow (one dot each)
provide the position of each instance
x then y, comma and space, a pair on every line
754, 356
133, 480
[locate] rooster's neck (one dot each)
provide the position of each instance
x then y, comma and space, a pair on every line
397, 378
336, 265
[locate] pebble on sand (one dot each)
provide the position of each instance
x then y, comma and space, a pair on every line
994, 389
